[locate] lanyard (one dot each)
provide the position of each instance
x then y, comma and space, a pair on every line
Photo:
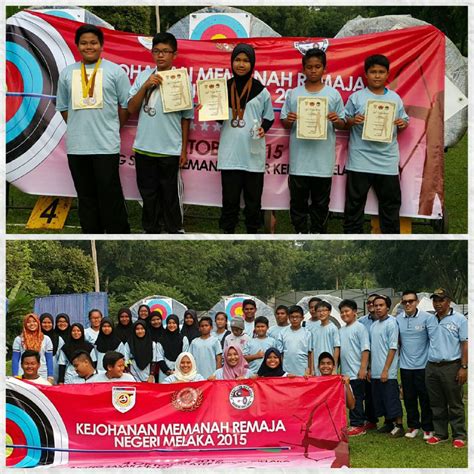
237, 110
88, 83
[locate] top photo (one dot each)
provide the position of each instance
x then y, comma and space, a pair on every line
223, 120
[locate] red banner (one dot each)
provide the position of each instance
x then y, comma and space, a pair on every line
257, 422
39, 46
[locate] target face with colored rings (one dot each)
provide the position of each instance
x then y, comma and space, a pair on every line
233, 307
32, 422
163, 305
206, 26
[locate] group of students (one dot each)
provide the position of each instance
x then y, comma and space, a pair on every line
95, 99
430, 351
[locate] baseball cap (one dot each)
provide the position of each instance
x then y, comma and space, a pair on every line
440, 293
237, 323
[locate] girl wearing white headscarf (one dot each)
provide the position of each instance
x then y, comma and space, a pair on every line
185, 370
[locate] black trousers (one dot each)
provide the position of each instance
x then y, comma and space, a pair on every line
233, 183
357, 415
160, 188
99, 191
304, 189
387, 190
369, 404
414, 390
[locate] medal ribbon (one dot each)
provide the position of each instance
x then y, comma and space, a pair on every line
88, 84
235, 99
149, 92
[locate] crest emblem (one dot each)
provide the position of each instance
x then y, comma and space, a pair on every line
187, 399
123, 398
241, 397
303, 46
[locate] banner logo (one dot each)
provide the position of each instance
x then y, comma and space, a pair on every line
123, 398
187, 399
241, 397
303, 46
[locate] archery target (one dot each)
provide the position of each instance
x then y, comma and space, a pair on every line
32, 421
205, 26
35, 54
233, 307
163, 305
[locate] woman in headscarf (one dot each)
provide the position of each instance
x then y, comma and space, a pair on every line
144, 313
31, 338
76, 343
171, 344
107, 340
185, 370
141, 351
62, 326
190, 327
272, 365
156, 326
242, 152
235, 366
124, 326
47, 328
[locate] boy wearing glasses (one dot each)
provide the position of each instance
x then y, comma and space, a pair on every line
160, 144
415, 326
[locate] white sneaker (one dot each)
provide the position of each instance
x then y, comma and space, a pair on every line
428, 434
412, 433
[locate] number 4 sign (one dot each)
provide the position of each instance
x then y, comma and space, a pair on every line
49, 213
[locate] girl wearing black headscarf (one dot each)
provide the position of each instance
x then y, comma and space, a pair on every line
76, 343
171, 344
272, 365
242, 152
141, 351
107, 340
123, 329
190, 327
156, 326
47, 328
62, 326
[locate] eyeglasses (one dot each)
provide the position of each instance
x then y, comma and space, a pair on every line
160, 52
407, 301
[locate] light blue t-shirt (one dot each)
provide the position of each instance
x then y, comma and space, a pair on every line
94, 131
275, 331
235, 143
78, 380
367, 321
90, 335
313, 157
383, 337
103, 378
172, 379
205, 352
295, 346
446, 338
249, 327
162, 133
354, 340
368, 156
255, 345
325, 339
219, 373
414, 340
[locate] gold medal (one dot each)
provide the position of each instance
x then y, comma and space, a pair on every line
88, 84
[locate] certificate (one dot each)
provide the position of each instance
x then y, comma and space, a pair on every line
212, 95
312, 123
378, 123
175, 91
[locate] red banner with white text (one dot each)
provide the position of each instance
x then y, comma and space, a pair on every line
39, 46
257, 422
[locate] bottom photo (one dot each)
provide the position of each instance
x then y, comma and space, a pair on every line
211, 354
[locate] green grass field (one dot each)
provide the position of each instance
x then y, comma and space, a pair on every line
201, 219
374, 450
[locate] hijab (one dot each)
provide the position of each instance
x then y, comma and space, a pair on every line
104, 342
147, 319
191, 375
32, 340
191, 332
172, 341
240, 369
141, 348
74, 345
241, 81
51, 333
122, 331
64, 334
265, 371
156, 333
